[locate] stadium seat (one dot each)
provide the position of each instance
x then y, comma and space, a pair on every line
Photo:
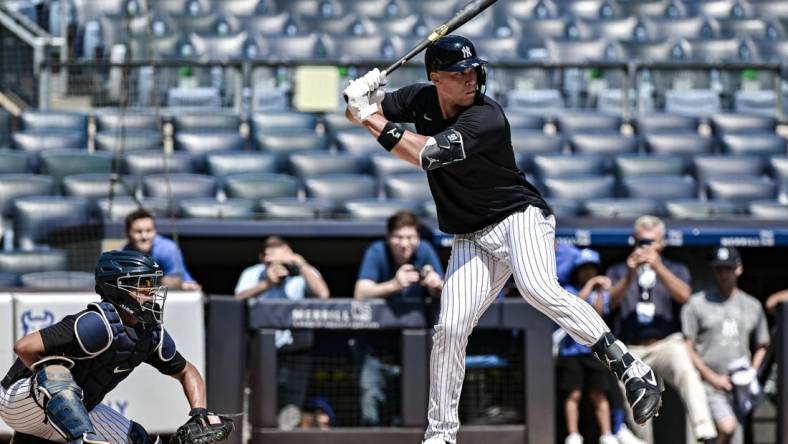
295, 47
336, 122
652, 8
407, 186
589, 9
13, 186
8, 280
530, 143
563, 207
537, 101
242, 7
274, 24
381, 9
375, 209
662, 122
206, 23
580, 187
607, 145
355, 48
768, 209
40, 120
684, 27
120, 206
348, 24
522, 9
657, 50
59, 280
312, 8
411, 25
260, 186
200, 143
19, 262
721, 8
94, 186
722, 50
130, 140
760, 144
294, 208
429, 209
741, 190
571, 122
699, 209
13, 162
571, 50
36, 216
143, 163
706, 167
205, 121
357, 141
757, 28
34, 141
623, 28
660, 188
384, 165
779, 170
523, 121
559, 165
178, 186
770, 8
628, 165
224, 164
622, 208
212, 48
758, 102
496, 49
340, 188
209, 208
285, 142
116, 119
697, 102
60, 164
273, 121
725, 123
308, 164
681, 144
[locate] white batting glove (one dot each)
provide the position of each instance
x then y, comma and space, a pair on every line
358, 100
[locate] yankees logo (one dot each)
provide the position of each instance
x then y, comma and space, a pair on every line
394, 133
466, 52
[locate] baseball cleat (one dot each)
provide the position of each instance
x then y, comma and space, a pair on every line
644, 389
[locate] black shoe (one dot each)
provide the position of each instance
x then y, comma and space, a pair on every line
644, 389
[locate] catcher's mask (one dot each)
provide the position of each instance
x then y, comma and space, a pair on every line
131, 281
456, 53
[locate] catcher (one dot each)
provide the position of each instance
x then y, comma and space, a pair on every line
53, 391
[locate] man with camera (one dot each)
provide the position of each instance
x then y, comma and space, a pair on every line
647, 293
398, 269
284, 274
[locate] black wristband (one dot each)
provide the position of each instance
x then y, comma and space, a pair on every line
391, 135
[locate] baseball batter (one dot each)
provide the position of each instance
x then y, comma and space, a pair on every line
54, 389
501, 223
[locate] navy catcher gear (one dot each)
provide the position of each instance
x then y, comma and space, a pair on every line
456, 53
131, 282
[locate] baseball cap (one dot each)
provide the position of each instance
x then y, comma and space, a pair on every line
586, 256
725, 257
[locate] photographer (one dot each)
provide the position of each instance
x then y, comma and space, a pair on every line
399, 269
648, 292
283, 274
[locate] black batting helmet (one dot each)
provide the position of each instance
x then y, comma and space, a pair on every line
455, 53
131, 281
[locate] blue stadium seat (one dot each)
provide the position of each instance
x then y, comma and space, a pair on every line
623, 28
55, 120
660, 188
60, 164
308, 164
725, 123
375, 209
34, 141
206, 23
759, 102
685, 145
411, 25
200, 143
13, 162
13, 186
223, 47
346, 25
622, 208
699, 209
559, 165
607, 145
429, 209
120, 206
8, 280
384, 165
524, 9
706, 167
260, 186
294, 208
657, 50
628, 165
760, 144
542, 102
696, 102
243, 7
770, 8
313, 8
662, 122
768, 209
523, 121
778, 166
295, 47
571, 122
722, 50
685, 27
340, 188
205, 121
143, 163
756, 28
274, 24
262, 123
178, 186
571, 50
129, 140
36, 216
350, 49
221, 165
530, 143
284, 142
407, 186
381, 9
580, 187
108, 120
721, 8
563, 207
210, 208
496, 49
741, 190
18, 262
337, 122
59, 280
94, 186
653, 8
357, 141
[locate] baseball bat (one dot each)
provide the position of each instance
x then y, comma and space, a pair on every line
468, 12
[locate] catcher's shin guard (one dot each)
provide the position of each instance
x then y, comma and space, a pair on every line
62, 403
643, 387
138, 435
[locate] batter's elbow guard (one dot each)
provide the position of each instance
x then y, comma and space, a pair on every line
442, 149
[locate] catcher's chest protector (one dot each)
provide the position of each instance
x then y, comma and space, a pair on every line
130, 347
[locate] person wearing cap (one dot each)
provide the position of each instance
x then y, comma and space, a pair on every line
577, 369
647, 295
723, 327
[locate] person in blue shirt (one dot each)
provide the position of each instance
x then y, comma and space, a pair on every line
141, 236
398, 269
576, 366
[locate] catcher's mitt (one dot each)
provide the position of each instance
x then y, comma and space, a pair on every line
204, 427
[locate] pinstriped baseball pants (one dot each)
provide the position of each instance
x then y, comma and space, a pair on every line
22, 413
481, 262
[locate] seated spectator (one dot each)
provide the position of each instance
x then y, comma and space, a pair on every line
726, 334
648, 292
284, 274
141, 236
577, 368
398, 269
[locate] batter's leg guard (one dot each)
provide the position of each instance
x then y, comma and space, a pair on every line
62, 403
643, 387
138, 435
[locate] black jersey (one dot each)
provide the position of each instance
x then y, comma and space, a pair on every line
486, 186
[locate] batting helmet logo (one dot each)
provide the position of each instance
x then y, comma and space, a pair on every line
466, 52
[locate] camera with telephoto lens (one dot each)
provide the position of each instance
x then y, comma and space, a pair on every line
292, 269
644, 242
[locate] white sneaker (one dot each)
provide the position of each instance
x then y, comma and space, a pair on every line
608, 439
574, 438
625, 436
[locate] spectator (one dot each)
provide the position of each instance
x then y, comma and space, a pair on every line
577, 368
775, 299
401, 268
141, 236
284, 274
648, 292
724, 327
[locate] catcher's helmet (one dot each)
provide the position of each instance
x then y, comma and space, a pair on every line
130, 281
455, 53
